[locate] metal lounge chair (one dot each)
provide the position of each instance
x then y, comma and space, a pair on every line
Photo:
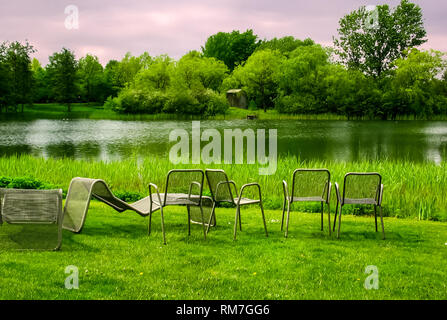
81, 190
360, 188
36, 216
308, 185
180, 185
220, 187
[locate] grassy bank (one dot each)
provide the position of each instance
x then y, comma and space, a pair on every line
86, 111
412, 190
117, 260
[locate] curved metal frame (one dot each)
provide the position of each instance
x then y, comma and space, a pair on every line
180, 201
377, 200
237, 203
290, 199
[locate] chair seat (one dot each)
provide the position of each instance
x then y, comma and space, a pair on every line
143, 205
175, 199
360, 201
306, 199
245, 201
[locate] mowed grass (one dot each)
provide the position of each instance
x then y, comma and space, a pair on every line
117, 260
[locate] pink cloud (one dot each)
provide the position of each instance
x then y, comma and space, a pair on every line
110, 28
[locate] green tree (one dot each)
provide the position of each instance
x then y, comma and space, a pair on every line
258, 77
412, 88
62, 69
112, 77
300, 81
370, 40
4, 79
196, 72
232, 48
285, 45
129, 66
42, 88
157, 76
91, 76
18, 63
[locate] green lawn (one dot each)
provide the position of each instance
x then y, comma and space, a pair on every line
117, 260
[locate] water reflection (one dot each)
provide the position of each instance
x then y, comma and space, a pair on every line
333, 140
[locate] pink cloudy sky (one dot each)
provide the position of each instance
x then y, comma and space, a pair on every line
110, 28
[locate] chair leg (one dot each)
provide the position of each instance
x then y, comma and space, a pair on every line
213, 214
383, 227
240, 220
263, 218
150, 223
163, 225
322, 216
375, 215
283, 211
235, 223
203, 222
288, 218
189, 220
335, 218
329, 217
339, 222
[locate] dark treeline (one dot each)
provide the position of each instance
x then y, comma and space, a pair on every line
374, 70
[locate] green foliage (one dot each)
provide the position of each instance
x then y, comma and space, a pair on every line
196, 72
258, 77
93, 82
62, 70
301, 81
371, 40
128, 196
285, 45
27, 182
17, 77
232, 48
157, 76
414, 88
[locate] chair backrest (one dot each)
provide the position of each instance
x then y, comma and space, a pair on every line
35, 217
310, 183
361, 187
219, 178
185, 181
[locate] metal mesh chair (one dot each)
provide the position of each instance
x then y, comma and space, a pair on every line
36, 218
308, 185
195, 213
180, 185
221, 191
360, 188
81, 190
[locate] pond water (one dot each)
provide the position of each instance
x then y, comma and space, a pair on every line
332, 140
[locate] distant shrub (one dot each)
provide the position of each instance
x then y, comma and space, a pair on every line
128, 196
25, 183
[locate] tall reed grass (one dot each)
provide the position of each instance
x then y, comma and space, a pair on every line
412, 190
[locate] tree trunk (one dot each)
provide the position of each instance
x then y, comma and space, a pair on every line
69, 107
